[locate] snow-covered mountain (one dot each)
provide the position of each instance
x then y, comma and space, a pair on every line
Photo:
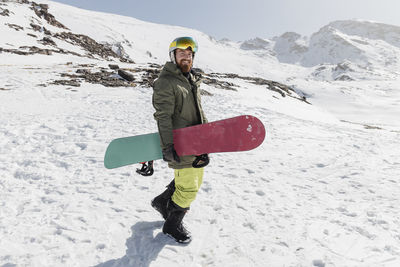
363, 44
367, 44
321, 191
290, 47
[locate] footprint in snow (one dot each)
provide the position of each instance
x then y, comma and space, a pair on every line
318, 263
260, 193
82, 146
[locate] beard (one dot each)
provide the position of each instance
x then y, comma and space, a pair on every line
185, 66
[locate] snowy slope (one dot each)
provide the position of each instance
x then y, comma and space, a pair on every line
318, 192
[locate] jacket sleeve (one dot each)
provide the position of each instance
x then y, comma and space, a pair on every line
164, 104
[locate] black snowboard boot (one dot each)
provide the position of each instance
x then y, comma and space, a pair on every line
159, 203
173, 225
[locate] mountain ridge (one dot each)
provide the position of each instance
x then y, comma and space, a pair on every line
363, 43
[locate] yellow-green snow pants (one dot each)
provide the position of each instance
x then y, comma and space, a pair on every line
187, 184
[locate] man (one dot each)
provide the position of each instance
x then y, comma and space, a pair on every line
176, 99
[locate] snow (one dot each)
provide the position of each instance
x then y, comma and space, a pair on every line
322, 190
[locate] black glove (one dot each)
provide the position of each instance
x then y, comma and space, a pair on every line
170, 155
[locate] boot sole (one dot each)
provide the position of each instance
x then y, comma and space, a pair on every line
187, 241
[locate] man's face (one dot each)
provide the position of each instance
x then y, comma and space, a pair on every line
184, 59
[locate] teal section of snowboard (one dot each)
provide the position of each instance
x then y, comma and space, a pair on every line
131, 150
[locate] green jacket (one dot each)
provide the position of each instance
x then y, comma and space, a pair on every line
176, 100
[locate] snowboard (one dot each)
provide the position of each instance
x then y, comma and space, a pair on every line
240, 133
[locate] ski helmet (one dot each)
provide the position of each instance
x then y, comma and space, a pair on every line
182, 43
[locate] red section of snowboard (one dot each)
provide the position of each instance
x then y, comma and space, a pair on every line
235, 134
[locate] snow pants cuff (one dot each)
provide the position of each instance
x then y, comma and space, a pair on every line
187, 184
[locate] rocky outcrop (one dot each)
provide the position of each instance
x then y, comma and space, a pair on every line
280, 88
219, 84
145, 75
92, 48
47, 41
90, 45
119, 50
103, 77
31, 50
4, 12
42, 11
14, 26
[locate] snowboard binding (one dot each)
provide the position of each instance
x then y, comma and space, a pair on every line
147, 169
201, 161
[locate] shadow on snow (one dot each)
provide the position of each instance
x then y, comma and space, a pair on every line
142, 246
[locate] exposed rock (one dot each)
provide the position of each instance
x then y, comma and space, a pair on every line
111, 79
366, 126
47, 41
18, 1
198, 70
85, 71
94, 49
219, 84
46, 31
150, 75
126, 75
36, 27
343, 67
280, 88
84, 65
32, 35
341, 71
105, 78
72, 82
4, 12
14, 26
89, 44
118, 49
145, 77
41, 10
113, 66
154, 65
31, 50
344, 77
205, 93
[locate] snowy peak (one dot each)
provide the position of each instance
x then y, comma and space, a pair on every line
256, 44
329, 45
369, 30
290, 47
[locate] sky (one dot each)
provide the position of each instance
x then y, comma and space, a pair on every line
240, 20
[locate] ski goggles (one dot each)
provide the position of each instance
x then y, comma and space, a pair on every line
184, 43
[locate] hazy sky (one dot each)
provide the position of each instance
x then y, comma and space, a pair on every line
245, 19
